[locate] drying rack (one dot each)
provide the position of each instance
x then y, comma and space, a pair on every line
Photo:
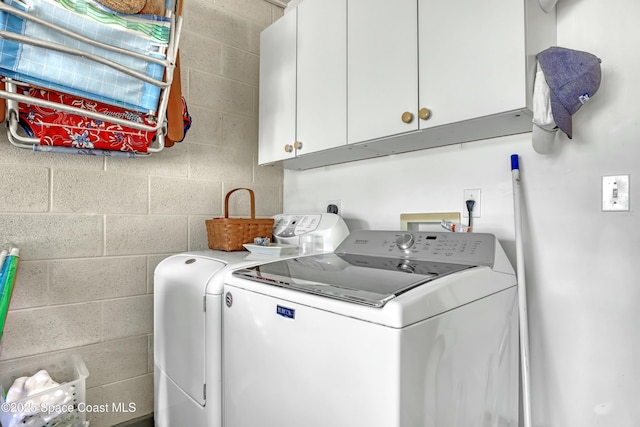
13, 98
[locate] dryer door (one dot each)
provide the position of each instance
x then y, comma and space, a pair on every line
179, 320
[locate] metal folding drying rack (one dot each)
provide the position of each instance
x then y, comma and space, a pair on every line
13, 98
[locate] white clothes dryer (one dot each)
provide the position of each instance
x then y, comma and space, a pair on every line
392, 329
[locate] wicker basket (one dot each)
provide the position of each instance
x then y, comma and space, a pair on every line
228, 234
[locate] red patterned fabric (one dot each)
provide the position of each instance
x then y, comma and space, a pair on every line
56, 128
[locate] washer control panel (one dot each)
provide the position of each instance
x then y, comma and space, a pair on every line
459, 248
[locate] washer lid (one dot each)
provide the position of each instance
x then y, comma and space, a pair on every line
361, 279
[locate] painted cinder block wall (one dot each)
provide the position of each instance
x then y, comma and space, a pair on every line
91, 230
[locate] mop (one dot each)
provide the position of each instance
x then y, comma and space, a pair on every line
522, 294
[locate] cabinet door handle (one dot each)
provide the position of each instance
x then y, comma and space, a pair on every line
407, 117
297, 145
424, 113
288, 148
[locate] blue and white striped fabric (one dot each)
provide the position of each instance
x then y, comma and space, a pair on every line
74, 74
153, 26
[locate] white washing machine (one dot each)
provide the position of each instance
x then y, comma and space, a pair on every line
187, 320
391, 330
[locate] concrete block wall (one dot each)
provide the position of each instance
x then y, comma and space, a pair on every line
91, 230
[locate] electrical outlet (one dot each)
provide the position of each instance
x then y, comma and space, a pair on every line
338, 203
473, 194
615, 193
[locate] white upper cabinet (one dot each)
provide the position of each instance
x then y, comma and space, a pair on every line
322, 75
277, 106
382, 68
417, 64
377, 77
303, 75
471, 59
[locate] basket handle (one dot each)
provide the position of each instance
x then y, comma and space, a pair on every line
251, 195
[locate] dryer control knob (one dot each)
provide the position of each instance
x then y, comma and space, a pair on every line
404, 241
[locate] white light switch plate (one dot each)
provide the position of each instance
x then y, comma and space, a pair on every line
615, 193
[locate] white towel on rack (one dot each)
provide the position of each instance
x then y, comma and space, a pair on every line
74, 74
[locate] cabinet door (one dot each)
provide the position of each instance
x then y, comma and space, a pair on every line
322, 75
382, 68
472, 60
277, 114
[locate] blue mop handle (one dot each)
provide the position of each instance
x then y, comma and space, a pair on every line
522, 296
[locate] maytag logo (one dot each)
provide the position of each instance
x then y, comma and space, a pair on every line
287, 312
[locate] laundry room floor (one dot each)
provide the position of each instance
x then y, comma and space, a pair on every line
138, 422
